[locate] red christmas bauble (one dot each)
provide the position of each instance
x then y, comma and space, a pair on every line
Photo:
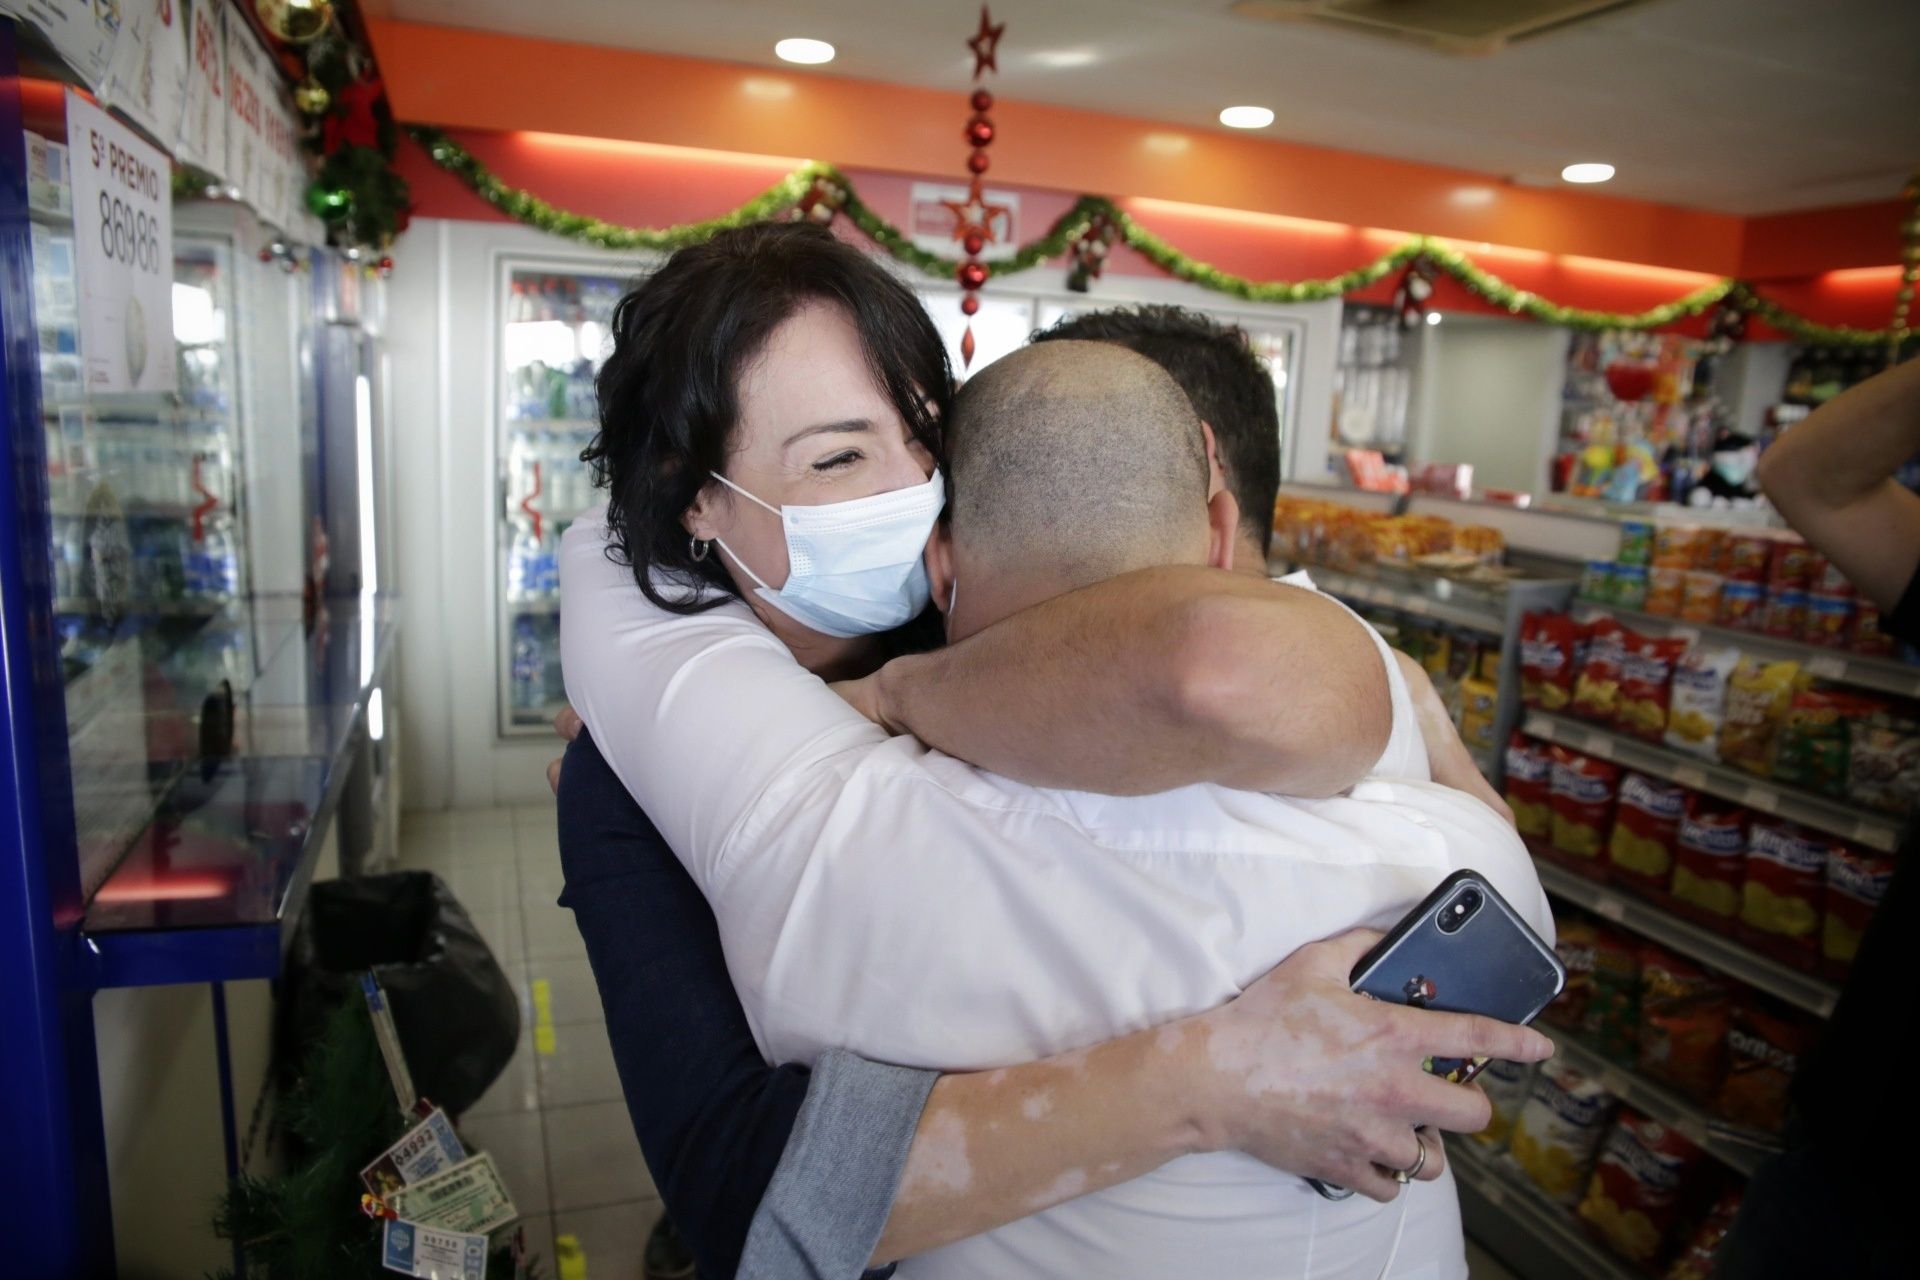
971, 275
977, 163
969, 305
973, 243
980, 131
982, 100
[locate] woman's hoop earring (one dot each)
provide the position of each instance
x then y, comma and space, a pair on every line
698, 548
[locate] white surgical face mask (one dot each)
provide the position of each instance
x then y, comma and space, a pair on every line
853, 568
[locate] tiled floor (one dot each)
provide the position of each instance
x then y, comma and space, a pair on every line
554, 1121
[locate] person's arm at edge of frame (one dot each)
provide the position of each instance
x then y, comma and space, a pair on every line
1831, 477
1112, 1111
1448, 759
1152, 680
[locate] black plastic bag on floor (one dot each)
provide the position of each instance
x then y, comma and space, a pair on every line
456, 1013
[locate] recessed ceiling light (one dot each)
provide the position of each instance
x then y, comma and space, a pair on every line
1587, 172
1433, 317
1247, 117
799, 49
1061, 59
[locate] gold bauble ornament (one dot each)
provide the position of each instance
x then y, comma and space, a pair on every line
311, 97
294, 21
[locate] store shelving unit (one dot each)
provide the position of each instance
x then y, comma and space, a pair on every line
1494, 611
1880, 675
1525, 1230
1732, 1147
1875, 830
1715, 950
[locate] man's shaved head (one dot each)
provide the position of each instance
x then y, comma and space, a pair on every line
1076, 461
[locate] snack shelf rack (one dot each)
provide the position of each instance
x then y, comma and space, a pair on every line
1491, 612
1525, 1230
1732, 1146
1877, 831
1716, 951
1440, 599
1880, 675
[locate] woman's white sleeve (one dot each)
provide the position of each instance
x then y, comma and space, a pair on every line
697, 714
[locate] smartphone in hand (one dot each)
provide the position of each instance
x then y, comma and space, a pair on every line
1462, 950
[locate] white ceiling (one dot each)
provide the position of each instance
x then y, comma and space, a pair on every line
1745, 106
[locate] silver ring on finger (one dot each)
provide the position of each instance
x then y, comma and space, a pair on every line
1404, 1176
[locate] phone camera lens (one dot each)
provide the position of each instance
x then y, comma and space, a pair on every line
1460, 910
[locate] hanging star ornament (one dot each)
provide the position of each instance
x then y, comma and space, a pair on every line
985, 44
976, 215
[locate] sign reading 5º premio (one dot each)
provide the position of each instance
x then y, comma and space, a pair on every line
123, 237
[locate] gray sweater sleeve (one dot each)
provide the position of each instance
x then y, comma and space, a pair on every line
830, 1196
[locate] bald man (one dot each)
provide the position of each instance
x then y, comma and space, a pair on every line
878, 895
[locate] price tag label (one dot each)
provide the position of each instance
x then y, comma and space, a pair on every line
1876, 836
1495, 1193
1611, 909
1760, 798
1599, 746
1689, 776
123, 241
1824, 1006
1826, 666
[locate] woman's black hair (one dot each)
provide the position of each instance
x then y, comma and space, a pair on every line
668, 392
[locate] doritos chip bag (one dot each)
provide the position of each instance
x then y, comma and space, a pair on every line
1646, 826
1764, 1044
1547, 645
1583, 791
1530, 785
1684, 1015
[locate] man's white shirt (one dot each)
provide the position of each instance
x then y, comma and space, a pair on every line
880, 896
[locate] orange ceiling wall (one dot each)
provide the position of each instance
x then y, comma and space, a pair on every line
480, 80
768, 118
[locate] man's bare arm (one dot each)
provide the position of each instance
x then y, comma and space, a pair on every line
1297, 1071
1447, 756
1149, 681
1832, 478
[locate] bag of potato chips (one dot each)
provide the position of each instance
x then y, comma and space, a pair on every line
1700, 698
1856, 881
1506, 1085
1709, 855
1700, 1259
1583, 791
1757, 701
1634, 1197
1596, 692
1646, 825
1547, 645
1530, 785
1883, 762
1812, 750
1646, 683
1560, 1128
1786, 880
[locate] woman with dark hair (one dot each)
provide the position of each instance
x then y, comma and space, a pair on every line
770, 442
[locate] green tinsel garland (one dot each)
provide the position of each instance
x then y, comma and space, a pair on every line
525, 207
